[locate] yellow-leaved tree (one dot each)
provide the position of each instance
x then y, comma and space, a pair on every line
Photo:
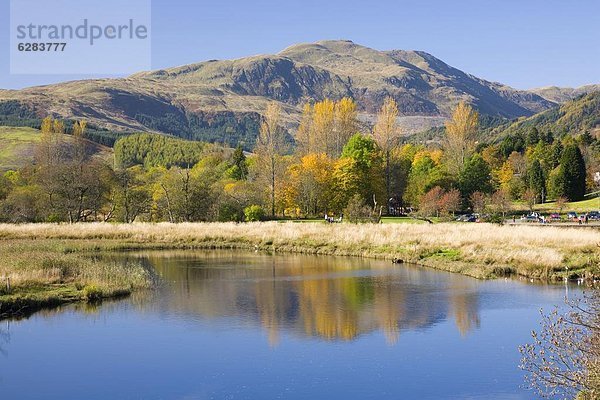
461, 134
270, 147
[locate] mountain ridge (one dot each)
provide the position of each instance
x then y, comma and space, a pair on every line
218, 96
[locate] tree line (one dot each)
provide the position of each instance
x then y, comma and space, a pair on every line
336, 165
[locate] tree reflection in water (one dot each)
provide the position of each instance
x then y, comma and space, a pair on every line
332, 298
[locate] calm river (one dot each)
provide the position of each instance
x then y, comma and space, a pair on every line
230, 325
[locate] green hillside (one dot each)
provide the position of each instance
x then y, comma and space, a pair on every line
17, 146
574, 117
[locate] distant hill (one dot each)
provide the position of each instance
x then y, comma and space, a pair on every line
561, 95
573, 117
223, 100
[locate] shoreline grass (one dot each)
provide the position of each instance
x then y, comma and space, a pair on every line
524, 250
52, 264
37, 274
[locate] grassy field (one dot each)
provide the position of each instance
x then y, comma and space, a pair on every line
16, 146
589, 204
56, 254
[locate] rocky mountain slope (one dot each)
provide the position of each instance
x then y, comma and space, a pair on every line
222, 100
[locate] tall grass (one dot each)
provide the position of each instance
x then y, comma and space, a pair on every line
479, 250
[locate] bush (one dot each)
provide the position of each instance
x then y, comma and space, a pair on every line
230, 212
92, 293
254, 213
357, 211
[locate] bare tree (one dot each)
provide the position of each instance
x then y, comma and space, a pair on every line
530, 197
501, 202
479, 201
564, 358
561, 202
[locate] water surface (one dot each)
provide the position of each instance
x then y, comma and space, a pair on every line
231, 325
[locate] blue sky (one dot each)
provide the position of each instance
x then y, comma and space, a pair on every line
525, 44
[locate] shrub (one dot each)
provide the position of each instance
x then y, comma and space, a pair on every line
358, 211
254, 213
92, 293
230, 212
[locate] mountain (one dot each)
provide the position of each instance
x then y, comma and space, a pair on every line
222, 100
561, 95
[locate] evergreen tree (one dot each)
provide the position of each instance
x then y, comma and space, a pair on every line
240, 168
557, 150
536, 180
533, 136
572, 173
549, 137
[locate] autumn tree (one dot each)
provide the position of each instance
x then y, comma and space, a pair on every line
270, 146
450, 202
322, 127
430, 204
133, 195
386, 133
309, 185
530, 198
326, 127
50, 148
500, 202
561, 202
345, 124
304, 138
479, 202
425, 173
461, 133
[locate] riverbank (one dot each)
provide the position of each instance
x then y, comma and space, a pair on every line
481, 251
39, 273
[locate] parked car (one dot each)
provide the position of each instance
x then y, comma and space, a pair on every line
532, 217
555, 217
594, 215
467, 218
572, 215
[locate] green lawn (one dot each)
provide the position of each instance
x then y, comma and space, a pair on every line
591, 204
403, 220
16, 146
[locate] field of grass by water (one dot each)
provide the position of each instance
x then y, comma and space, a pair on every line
41, 273
50, 263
